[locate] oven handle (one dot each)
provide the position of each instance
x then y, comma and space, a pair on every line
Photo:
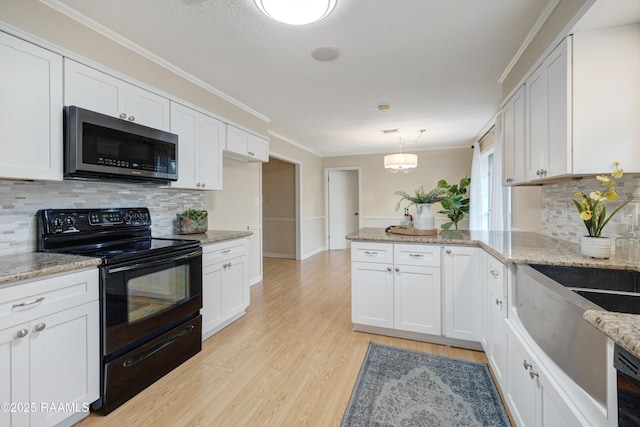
139, 358
138, 265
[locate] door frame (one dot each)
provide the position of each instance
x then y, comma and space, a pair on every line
298, 199
358, 169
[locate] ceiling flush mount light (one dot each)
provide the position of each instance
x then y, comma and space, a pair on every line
296, 12
401, 162
325, 54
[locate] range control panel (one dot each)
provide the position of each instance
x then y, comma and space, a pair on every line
56, 221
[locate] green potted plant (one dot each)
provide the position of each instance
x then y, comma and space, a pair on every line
454, 201
192, 221
424, 219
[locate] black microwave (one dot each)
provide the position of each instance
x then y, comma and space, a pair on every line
98, 146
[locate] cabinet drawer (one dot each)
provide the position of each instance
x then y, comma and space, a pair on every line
421, 255
218, 252
372, 252
496, 272
29, 300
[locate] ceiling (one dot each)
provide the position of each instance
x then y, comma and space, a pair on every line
435, 62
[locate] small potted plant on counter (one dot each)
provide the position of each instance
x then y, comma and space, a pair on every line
592, 208
424, 219
192, 221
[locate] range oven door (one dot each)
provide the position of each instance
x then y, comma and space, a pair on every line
143, 298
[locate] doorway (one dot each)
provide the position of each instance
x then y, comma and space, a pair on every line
280, 208
343, 205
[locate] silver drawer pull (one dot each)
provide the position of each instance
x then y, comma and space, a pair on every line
22, 333
416, 256
533, 373
251, 153
494, 274
40, 327
498, 301
526, 365
371, 253
226, 251
30, 302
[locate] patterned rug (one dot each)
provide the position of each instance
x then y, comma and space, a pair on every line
399, 387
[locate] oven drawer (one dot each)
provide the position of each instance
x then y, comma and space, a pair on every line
134, 371
32, 299
218, 252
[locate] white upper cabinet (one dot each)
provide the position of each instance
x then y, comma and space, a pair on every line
548, 137
30, 111
242, 145
513, 125
582, 108
94, 90
200, 142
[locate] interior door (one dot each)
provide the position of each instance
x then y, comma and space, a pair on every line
343, 207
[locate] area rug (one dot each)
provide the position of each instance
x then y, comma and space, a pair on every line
399, 387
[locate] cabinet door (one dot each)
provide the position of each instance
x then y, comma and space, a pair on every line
513, 122
64, 361
552, 409
462, 286
30, 111
212, 301
94, 90
497, 340
521, 388
537, 125
184, 123
242, 145
417, 299
147, 108
14, 371
234, 284
210, 142
372, 294
558, 161
258, 148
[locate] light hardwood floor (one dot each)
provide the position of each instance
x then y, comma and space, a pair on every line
291, 361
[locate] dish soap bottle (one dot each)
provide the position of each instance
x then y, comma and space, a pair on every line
628, 248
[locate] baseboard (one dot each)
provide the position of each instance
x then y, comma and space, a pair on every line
278, 255
210, 333
312, 253
435, 339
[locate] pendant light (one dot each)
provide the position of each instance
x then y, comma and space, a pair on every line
402, 162
296, 12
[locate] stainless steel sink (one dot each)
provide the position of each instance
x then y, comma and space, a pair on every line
552, 314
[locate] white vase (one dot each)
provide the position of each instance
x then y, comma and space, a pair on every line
424, 220
595, 247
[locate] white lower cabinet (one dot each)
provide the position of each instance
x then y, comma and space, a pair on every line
225, 284
533, 397
462, 291
50, 349
496, 308
396, 286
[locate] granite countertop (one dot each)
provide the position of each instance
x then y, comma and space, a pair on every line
14, 268
211, 236
530, 248
523, 247
622, 328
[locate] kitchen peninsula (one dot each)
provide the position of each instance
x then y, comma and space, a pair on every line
461, 288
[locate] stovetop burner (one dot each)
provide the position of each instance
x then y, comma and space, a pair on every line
115, 235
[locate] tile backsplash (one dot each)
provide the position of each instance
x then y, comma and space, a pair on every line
560, 217
19, 202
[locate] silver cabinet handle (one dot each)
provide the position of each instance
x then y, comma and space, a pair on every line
229, 265
533, 374
30, 302
123, 115
397, 269
526, 365
389, 268
251, 153
226, 251
202, 185
40, 327
494, 274
498, 301
198, 184
371, 253
132, 118
448, 251
416, 256
22, 333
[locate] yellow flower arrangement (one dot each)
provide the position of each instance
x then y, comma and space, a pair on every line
592, 208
